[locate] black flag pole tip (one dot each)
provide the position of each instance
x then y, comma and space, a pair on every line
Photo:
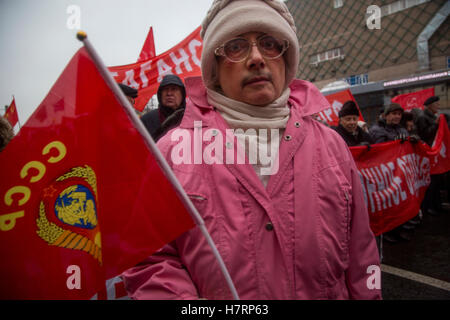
81, 35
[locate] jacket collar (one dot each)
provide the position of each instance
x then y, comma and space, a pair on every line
166, 111
342, 130
307, 97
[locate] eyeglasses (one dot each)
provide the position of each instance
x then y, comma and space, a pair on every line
238, 49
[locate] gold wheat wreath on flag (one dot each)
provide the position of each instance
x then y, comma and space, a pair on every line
57, 236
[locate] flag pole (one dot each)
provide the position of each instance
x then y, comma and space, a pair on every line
82, 36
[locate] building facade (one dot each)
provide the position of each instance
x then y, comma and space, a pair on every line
377, 48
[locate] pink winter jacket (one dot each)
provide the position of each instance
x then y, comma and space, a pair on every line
305, 236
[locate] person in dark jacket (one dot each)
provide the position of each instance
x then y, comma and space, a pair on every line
408, 122
348, 126
171, 97
427, 125
389, 128
428, 121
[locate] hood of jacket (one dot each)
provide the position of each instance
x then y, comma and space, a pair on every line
167, 80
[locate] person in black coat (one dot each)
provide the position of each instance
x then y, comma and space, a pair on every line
348, 126
171, 97
428, 121
389, 128
427, 125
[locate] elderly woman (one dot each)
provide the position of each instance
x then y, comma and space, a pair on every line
294, 228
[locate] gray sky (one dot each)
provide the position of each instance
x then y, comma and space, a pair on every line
37, 43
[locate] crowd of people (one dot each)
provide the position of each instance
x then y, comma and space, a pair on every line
152, 278
300, 232
393, 124
396, 124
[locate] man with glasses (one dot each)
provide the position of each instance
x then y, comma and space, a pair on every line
297, 231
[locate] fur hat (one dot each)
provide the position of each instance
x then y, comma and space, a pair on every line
227, 19
349, 109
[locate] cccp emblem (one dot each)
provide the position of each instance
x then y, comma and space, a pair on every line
68, 212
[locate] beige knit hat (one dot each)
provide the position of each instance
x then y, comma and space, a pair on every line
227, 19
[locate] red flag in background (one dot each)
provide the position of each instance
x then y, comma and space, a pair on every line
337, 100
412, 100
11, 113
81, 195
148, 49
182, 60
440, 151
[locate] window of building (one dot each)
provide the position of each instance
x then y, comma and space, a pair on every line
336, 53
338, 3
358, 79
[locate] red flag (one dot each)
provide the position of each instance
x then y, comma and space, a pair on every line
81, 196
148, 49
408, 101
440, 151
182, 60
394, 177
11, 113
337, 100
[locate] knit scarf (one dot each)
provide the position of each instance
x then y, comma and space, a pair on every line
272, 117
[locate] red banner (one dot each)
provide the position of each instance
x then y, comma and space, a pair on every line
337, 100
80, 201
148, 49
182, 60
408, 101
11, 114
440, 151
395, 177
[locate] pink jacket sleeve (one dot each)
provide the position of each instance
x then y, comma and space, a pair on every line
161, 276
